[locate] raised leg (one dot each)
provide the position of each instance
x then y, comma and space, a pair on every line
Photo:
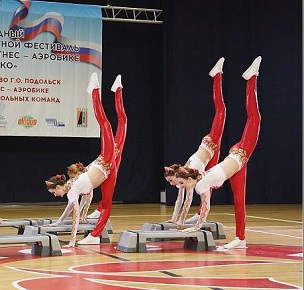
108, 153
247, 144
217, 124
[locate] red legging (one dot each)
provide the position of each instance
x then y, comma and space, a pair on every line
218, 122
107, 139
247, 143
107, 152
120, 135
121, 130
108, 186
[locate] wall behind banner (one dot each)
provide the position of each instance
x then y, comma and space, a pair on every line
196, 35
167, 95
135, 52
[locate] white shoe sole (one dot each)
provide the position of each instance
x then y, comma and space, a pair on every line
82, 242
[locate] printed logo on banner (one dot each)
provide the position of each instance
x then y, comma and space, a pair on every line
54, 122
27, 121
82, 117
3, 122
47, 37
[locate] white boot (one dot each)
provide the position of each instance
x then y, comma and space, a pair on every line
192, 220
253, 69
218, 68
89, 240
94, 215
236, 244
116, 84
93, 83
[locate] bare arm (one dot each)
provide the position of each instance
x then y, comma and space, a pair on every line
75, 223
185, 210
84, 206
177, 206
64, 215
205, 201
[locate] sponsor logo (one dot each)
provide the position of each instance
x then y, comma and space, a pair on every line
82, 117
3, 122
27, 121
54, 122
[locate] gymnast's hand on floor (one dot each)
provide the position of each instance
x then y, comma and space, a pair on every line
55, 224
83, 220
180, 226
70, 245
171, 221
190, 230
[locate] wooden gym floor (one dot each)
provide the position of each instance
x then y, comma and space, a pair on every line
273, 258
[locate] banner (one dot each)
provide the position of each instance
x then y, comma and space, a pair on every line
48, 52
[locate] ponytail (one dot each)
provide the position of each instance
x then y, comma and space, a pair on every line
185, 172
53, 181
171, 170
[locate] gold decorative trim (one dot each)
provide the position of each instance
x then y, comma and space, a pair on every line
241, 153
207, 141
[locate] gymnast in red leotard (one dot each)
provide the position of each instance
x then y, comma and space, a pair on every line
233, 167
205, 157
101, 172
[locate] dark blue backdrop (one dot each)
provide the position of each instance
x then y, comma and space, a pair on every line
195, 36
167, 95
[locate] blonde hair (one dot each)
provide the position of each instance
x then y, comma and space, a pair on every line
171, 170
185, 172
75, 168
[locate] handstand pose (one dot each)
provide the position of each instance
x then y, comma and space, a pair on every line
233, 167
120, 137
107, 188
119, 141
205, 157
101, 172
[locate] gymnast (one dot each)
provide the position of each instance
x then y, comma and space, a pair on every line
119, 140
205, 157
73, 171
101, 172
233, 167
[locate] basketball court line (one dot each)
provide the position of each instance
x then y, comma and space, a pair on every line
210, 214
297, 255
270, 219
267, 233
90, 250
